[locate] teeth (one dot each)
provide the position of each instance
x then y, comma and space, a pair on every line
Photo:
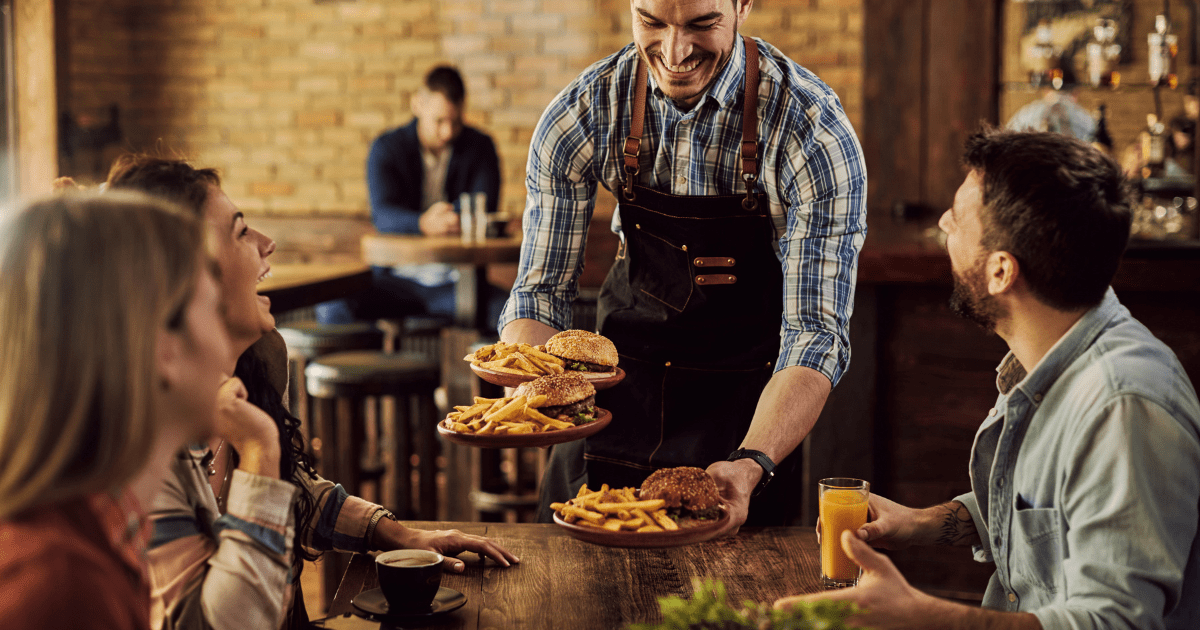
687, 67
264, 277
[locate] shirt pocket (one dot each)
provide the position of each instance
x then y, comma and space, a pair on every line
1037, 554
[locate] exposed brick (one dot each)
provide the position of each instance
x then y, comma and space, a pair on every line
318, 119
268, 189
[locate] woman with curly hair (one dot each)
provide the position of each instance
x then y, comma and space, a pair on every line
225, 528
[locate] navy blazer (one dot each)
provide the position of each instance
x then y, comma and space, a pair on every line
396, 175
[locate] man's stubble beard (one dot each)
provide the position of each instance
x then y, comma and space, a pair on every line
971, 301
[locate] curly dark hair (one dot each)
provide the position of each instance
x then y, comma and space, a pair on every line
188, 186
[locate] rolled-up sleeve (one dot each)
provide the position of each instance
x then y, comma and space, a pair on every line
1130, 503
561, 191
825, 187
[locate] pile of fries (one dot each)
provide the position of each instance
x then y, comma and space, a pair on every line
516, 358
615, 510
503, 416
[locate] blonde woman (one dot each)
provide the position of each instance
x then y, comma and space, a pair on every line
111, 355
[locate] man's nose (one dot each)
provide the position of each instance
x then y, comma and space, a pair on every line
677, 46
944, 221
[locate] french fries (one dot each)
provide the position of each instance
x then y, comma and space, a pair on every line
615, 510
516, 358
503, 416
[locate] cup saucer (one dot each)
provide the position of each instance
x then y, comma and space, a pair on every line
372, 602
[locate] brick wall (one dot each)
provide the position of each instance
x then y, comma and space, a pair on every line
285, 96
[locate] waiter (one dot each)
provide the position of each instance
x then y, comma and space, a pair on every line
741, 199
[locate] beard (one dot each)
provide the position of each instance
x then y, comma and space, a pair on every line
971, 301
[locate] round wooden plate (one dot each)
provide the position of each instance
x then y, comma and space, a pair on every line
679, 537
599, 380
523, 440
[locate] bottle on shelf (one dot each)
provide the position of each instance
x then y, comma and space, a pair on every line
1042, 55
1102, 55
1153, 148
1103, 140
1164, 46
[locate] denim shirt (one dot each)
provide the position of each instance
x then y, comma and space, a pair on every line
1086, 481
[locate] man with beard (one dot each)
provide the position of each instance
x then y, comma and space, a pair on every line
1086, 473
742, 209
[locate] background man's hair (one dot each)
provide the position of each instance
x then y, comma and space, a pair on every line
1057, 204
446, 80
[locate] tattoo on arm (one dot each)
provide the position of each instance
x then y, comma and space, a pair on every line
956, 527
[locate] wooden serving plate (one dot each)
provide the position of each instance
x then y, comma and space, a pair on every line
599, 380
677, 538
523, 440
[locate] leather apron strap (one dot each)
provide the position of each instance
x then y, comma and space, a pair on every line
633, 142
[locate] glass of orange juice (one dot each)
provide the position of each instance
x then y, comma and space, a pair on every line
843, 505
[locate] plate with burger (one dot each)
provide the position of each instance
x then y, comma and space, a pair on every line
542, 412
673, 507
580, 352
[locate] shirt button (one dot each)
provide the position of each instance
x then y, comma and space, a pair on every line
681, 180
1012, 597
996, 540
992, 412
1000, 482
1037, 398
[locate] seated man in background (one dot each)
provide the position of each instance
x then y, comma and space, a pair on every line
415, 176
1086, 473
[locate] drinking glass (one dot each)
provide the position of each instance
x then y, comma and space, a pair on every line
843, 506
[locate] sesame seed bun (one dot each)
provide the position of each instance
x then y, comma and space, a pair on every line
585, 347
688, 488
559, 389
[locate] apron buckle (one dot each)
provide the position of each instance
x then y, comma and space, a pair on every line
750, 203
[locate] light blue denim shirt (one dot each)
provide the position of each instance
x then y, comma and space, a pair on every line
1086, 482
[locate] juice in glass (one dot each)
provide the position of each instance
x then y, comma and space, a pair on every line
843, 505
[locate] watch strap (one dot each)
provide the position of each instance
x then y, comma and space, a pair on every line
762, 460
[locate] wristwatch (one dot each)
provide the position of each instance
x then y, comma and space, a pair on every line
761, 459
379, 514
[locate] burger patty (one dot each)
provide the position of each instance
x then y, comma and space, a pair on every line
584, 406
584, 366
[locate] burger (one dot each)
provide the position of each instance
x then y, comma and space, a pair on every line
583, 351
569, 397
688, 492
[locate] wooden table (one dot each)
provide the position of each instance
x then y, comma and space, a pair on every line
298, 285
391, 250
564, 583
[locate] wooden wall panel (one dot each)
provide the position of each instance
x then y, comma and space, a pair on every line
962, 79
33, 71
893, 93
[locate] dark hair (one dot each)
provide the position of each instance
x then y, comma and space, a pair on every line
295, 464
445, 80
178, 181
1057, 204
174, 180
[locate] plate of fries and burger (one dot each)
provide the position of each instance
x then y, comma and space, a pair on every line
572, 351
673, 507
548, 410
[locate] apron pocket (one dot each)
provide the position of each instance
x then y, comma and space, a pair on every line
659, 270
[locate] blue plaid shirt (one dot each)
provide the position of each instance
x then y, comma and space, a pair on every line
811, 168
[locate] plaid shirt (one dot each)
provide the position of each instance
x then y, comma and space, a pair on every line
811, 167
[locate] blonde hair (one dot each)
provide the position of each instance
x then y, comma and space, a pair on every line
86, 283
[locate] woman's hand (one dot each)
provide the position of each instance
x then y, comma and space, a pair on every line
247, 429
449, 543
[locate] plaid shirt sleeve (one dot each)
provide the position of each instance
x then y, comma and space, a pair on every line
560, 187
823, 184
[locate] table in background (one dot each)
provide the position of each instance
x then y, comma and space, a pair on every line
391, 250
298, 285
565, 583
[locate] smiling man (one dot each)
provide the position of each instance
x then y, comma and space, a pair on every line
1084, 473
741, 192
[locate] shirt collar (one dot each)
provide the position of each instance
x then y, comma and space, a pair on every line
727, 89
1063, 353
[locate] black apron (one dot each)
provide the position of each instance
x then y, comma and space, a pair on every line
694, 304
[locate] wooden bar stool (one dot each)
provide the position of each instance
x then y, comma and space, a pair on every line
342, 385
308, 340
